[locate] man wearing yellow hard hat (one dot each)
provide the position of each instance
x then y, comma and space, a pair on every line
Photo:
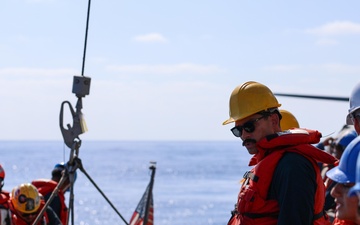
284, 185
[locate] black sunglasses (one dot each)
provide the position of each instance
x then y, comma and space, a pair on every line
249, 127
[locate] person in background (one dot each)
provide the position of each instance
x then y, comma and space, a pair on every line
288, 120
25, 205
345, 136
349, 206
337, 145
284, 186
46, 187
344, 175
326, 145
5, 215
354, 192
353, 117
341, 141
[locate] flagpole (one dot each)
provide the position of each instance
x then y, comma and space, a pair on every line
153, 168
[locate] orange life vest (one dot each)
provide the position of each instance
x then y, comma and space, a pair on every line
18, 220
253, 207
46, 187
5, 214
342, 222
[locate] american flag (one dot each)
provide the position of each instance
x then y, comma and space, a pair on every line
139, 214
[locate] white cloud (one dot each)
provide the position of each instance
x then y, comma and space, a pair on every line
35, 72
151, 37
283, 68
340, 68
206, 37
167, 69
326, 42
330, 68
40, 1
336, 28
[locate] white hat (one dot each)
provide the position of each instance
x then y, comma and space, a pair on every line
354, 103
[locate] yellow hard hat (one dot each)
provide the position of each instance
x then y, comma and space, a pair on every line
288, 120
249, 98
25, 198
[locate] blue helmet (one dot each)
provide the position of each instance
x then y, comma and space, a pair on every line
356, 189
346, 138
345, 171
59, 167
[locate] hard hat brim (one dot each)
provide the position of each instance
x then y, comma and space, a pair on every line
348, 117
338, 175
230, 120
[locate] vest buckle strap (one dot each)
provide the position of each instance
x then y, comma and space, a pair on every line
251, 175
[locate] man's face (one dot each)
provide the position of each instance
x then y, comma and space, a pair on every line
346, 207
355, 117
253, 128
337, 151
357, 125
356, 199
28, 217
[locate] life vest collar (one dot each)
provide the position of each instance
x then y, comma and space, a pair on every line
284, 140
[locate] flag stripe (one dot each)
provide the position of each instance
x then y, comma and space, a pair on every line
138, 216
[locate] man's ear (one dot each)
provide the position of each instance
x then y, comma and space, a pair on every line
275, 120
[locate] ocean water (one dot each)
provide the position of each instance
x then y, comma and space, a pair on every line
195, 182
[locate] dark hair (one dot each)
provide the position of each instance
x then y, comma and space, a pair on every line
56, 173
268, 112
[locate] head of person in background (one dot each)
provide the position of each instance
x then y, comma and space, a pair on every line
341, 141
254, 110
329, 143
288, 120
344, 175
353, 117
57, 173
26, 201
2, 177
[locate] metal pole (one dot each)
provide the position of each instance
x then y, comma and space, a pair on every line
344, 99
153, 168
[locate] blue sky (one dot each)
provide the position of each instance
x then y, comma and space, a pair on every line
164, 70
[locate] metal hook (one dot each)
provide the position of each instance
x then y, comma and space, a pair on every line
72, 132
